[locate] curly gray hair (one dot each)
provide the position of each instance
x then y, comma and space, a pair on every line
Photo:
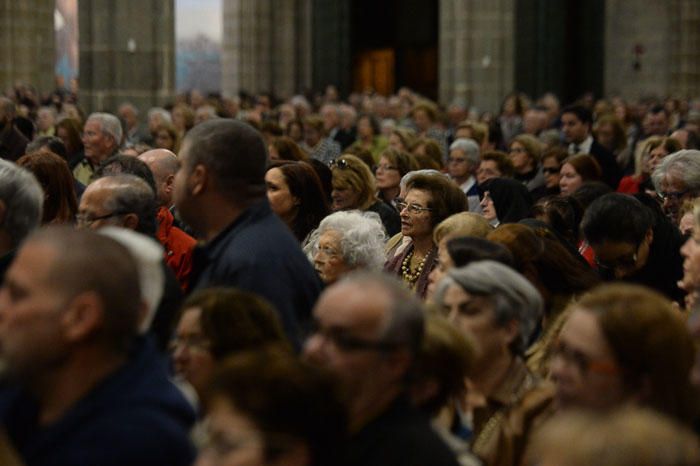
362, 238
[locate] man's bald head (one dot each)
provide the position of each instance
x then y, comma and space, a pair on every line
163, 164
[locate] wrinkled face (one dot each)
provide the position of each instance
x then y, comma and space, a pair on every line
458, 165
551, 169
488, 209
674, 192
31, 317
569, 179
344, 198
444, 264
98, 145
655, 157
190, 350
520, 158
487, 170
574, 129
417, 223
473, 315
349, 323
691, 264
93, 212
387, 175
621, 258
281, 200
328, 258
234, 440
583, 367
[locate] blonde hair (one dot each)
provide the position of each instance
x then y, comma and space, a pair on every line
357, 177
462, 224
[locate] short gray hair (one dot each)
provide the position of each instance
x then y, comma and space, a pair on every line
131, 194
470, 149
514, 296
162, 113
24, 201
685, 164
362, 237
110, 125
406, 316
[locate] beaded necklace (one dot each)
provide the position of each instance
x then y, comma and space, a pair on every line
409, 276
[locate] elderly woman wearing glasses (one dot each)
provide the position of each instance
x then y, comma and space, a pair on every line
346, 241
354, 188
429, 200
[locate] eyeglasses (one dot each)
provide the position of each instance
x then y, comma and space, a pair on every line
412, 208
346, 342
192, 343
83, 219
624, 262
671, 196
340, 163
582, 362
551, 170
385, 168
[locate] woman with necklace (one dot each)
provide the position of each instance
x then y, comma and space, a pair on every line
429, 200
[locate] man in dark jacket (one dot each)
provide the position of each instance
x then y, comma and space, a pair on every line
82, 387
220, 192
12, 142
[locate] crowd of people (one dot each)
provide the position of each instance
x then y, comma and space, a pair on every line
376, 281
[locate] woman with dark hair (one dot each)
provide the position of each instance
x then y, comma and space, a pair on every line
284, 148
577, 170
166, 137
296, 196
429, 200
554, 271
393, 165
267, 408
216, 323
295, 130
69, 130
505, 200
60, 202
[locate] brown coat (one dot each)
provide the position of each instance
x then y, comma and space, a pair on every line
518, 406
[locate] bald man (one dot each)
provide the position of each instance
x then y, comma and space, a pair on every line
178, 244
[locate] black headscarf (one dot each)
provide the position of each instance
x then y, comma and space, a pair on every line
511, 199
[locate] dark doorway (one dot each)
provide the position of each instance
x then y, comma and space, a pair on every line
394, 44
559, 47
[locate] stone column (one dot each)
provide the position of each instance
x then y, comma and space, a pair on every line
266, 45
127, 53
685, 48
476, 52
27, 43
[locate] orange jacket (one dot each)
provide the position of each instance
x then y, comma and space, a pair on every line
178, 246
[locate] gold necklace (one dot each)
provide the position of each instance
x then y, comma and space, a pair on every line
407, 274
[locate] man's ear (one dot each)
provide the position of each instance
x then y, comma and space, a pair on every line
131, 221
169, 183
84, 314
198, 179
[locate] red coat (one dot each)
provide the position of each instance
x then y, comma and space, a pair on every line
178, 246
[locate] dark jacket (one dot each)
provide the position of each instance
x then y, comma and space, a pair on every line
401, 436
388, 215
136, 416
259, 253
611, 170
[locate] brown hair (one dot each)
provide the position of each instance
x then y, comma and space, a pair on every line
503, 162
479, 131
403, 161
618, 127
172, 132
56, 179
234, 320
586, 166
73, 129
447, 198
433, 154
532, 146
287, 149
651, 344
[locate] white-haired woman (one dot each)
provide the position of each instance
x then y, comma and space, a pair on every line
346, 241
